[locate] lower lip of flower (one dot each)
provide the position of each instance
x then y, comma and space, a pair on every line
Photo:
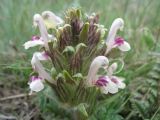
45, 54
101, 82
119, 41
35, 38
114, 80
34, 78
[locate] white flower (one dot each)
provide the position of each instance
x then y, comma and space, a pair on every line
41, 55
38, 67
110, 83
117, 24
51, 20
36, 84
106, 85
112, 68
34, 42
98, 62
121, 44
38, 21
117, 80
111, 42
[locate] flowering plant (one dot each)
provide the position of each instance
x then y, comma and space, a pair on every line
78, 67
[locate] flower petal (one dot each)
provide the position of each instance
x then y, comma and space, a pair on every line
118, 81
98, 62
104, 90
51, 19
36, 85
116, 25
112, 68
38, 21
125, 46
38, 67
41, 55
121, 85
112, 87
33, 43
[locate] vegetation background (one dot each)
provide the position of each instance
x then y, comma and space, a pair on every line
139, 101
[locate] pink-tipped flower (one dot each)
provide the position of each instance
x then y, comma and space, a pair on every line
112, 68
102, 81
41, 55
38, 21
35, 38
36, 84
38, 67
98, 62
117, 80
121, 44
106, 85
35, 41
111, 42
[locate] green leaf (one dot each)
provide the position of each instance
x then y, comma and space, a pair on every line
53, 72
68, 77
67, 27
60, 75
80, 46
142, 70
78, 13
148, 38
102, 30
69, 49
84, 33
81, 108
140, 107
79, 76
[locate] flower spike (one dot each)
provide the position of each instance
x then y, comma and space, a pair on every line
76, 68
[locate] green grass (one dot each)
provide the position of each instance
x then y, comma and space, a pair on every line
142, 31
